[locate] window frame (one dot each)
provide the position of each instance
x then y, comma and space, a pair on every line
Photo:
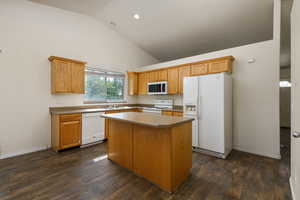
106, 74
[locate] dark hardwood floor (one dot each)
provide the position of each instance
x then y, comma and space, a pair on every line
86, 174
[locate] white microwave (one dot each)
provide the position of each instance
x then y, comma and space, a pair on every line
158, 88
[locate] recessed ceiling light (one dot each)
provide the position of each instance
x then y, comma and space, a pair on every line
136, 16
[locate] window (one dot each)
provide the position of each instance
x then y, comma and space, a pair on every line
285, 84
103, 86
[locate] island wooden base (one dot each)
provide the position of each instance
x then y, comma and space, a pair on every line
161, 155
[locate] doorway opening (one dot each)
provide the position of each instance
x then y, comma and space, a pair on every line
285, 81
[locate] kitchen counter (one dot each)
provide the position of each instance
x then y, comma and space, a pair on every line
156, 147
88, 110
102, 108
149, 119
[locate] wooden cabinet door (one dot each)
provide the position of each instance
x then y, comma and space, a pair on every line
220, 66
178, 114
173, 81
143, 83
78, 75
61, 76
132, 83
199, 69
120, 142
70, 134
165, 112
153, 76
163, 75
183, 71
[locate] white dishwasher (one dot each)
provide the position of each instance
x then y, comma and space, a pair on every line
93, 127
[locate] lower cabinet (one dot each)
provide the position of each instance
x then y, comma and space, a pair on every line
172, 113
66, 131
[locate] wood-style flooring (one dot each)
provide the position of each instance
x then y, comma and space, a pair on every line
86, 174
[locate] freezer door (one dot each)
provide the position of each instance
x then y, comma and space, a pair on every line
211, 103
190, 88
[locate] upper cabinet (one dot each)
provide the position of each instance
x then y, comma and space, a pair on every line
143, 79
67, 75
132, 83
183, 71
173, 80
162, 75
158, 75
153, 76
220, 66
199, 69
175, 74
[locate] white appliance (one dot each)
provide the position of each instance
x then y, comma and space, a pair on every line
208, 99
158, 88
160, 104
93, 126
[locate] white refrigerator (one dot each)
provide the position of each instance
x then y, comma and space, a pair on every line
208, 99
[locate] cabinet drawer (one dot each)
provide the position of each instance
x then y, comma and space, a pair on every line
176, 113
165, 112
70, 117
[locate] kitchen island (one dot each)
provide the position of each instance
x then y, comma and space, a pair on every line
156, 147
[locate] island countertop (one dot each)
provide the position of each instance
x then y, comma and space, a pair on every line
149, 119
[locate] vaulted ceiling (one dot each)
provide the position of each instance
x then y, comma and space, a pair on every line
172, 29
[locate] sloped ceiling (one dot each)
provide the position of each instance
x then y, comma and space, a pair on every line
172, 29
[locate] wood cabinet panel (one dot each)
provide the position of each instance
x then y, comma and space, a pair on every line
165, 112
120, 143
66, 131
173, 81
174, 75
151, 154
183, 71
67, 75
153, 76
172, 113
178, 114
70, 117
221, 66
61, 76
78, 75
143, 83
182, 153
132, 83
199, 69
70, 134
162, 75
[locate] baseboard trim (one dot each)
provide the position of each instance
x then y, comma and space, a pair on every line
270, 155
35, 149
292, 189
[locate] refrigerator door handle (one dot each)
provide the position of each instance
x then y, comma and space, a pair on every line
198, 108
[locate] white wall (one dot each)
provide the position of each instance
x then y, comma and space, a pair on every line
30, 33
